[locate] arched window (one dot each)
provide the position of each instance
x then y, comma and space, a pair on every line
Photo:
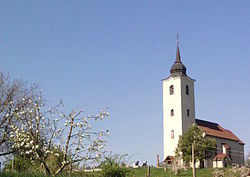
172, 134
187, 90
172, 112
171, 90
188, 113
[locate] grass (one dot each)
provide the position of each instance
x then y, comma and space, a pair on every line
205, 172
155, 172
16, 174
139, 172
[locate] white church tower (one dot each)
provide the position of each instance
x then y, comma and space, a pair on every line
178, 106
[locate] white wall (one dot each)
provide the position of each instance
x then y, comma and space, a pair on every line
179, 102
218, 164
171, 122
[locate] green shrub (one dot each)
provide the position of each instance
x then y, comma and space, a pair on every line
25, 163
22, 164
111, 168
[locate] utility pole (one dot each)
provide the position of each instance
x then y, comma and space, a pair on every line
193, 160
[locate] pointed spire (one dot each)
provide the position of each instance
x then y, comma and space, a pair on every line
178, 56
178, 68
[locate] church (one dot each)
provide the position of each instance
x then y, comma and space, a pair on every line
179, 115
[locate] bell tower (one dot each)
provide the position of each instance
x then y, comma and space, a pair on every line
178, 105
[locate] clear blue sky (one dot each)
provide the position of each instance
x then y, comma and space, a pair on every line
93, 54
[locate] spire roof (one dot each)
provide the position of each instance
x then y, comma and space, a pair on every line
178, 68
178, 56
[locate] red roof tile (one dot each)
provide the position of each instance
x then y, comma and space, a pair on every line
169, 158
214, 129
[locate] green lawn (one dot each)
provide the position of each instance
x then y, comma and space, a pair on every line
140, 172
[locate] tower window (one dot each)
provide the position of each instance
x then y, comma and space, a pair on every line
171, 90
172, 134
172, 112
187, 90
188, 112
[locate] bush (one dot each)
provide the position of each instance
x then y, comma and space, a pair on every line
22, 164
112, 168
235, 171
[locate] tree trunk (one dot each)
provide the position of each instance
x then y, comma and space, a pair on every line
46, 169
60, 170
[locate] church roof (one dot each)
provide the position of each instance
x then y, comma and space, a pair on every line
214, 129
178, 69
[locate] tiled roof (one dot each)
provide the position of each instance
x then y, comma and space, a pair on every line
169, 158
220, 156
214, 129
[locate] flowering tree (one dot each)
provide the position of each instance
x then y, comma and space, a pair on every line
12, 92
45, 134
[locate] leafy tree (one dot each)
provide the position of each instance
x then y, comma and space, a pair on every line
203, 145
